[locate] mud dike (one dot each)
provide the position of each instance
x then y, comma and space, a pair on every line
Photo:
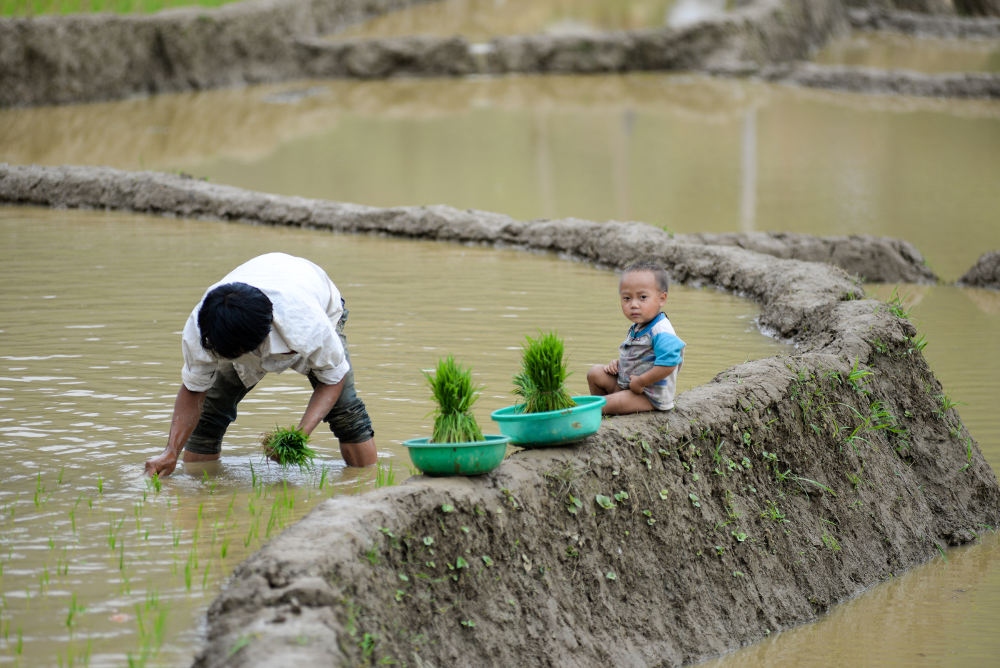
780, 488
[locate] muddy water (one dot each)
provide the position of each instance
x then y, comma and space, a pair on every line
943, 613
927, 55
91, 311
483, 19
690, 153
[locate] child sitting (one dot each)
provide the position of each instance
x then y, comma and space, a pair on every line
644, 377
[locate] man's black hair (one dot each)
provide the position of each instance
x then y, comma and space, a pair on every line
234, 319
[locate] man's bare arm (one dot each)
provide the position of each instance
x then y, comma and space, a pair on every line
320, 404
187, 411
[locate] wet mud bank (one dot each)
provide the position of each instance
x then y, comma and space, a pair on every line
925, 25
875, 259
937, 20
762, 31
985, 273
88, 57
780, 488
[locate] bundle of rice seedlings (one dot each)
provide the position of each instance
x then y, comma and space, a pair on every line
288, 447
452, 388
541, 383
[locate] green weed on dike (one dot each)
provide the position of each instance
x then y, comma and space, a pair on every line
28, 8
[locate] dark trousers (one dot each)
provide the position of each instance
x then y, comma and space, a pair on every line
348, 419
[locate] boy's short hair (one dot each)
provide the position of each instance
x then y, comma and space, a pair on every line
659, 273
234, 319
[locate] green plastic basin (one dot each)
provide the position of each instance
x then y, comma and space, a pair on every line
539, 430
473, 458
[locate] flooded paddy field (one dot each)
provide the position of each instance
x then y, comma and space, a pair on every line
92, 362
100, 566
691, 153
921, 54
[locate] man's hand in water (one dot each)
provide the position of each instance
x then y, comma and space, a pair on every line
187, 410
163, 464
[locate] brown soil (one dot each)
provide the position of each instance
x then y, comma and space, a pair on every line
56, 59
985, 273
780, 488
873, 259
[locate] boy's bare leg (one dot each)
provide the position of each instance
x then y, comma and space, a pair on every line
626, 401
359, 454
600, 382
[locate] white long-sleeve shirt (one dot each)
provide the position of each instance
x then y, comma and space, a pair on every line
306, 309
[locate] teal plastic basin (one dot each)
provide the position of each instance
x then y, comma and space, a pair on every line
539, 430
474, 458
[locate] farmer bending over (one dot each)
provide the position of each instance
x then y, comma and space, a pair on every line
271, 313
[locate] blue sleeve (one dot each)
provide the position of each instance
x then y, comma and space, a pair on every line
668, 349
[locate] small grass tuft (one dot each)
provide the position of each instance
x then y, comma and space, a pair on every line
385, 476
896, 305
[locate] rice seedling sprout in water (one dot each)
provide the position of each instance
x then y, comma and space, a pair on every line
384, 475
452, 388
541, 382
288, 447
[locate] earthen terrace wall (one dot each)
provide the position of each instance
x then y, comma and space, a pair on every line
67, 59
61, 59
88, 57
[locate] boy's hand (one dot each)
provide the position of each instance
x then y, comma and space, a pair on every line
612, 368
635, 384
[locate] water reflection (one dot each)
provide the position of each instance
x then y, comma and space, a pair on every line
691, 153
481, 20
688, 12
922, 54
911, 620
748, 160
